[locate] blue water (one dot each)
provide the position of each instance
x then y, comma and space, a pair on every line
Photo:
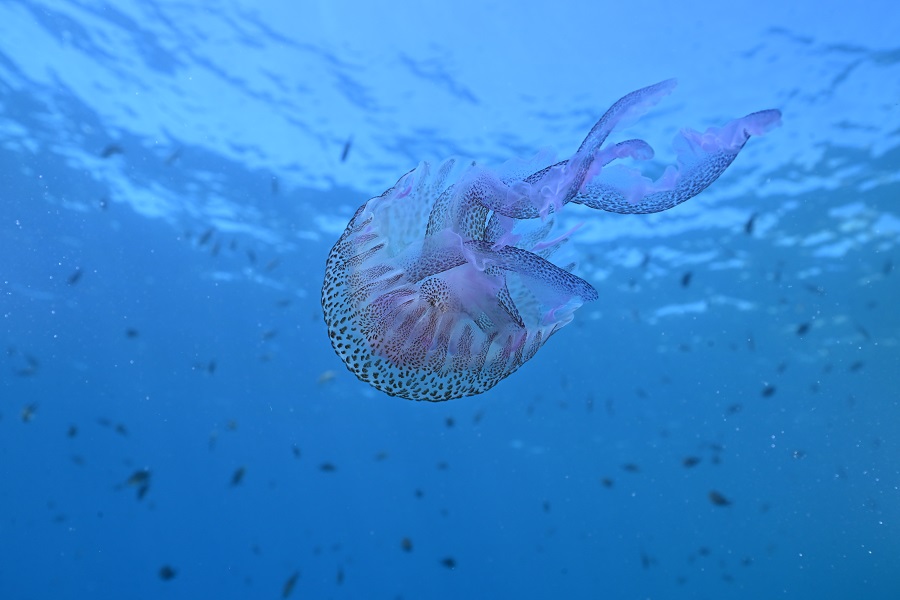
175, 424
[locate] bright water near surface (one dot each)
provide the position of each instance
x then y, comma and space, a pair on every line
722, 423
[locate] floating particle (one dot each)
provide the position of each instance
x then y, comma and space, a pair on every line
718, 498
326, 377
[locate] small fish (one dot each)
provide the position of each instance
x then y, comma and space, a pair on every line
167, 573
272, 265
607, 482
206, 236
288, 586
449, 562
295, 449
718, 499
327, 467
238, 476
768, 390
75, 277
28, 412
748, 226
111, 150
690, 461
815, 289
346, 149
339, 578
686, 279
449, 422
132, 333
72, 432
631, 468
139, 477
406, 544
209, 367
175, 155
803, 329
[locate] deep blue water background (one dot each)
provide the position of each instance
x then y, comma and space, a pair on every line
160, 309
